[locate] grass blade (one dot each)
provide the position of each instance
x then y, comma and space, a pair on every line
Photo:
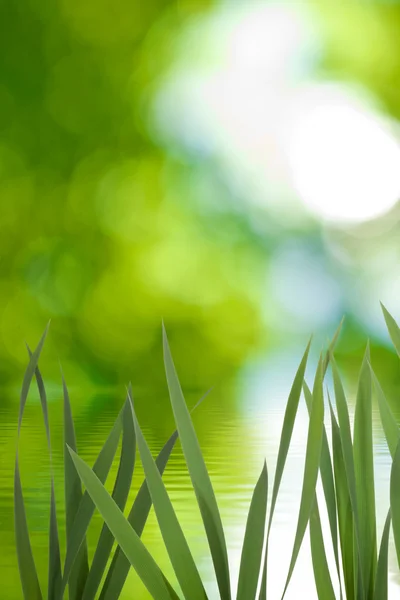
73, 498
311, 468
286, 436
26, 563
328, 484
393, 328
28, 376
126, 537
395, 500
83, 516
381, 581
390, 426
287, 429
174, 539
120, 496
120, 565
253, 540
344, 433
332, 346
119, 568
344, 509
322, 575
364, 472
199, 476
54, 569
345, 437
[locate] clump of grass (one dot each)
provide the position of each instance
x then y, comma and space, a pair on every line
346, 473
364, 569
83, 580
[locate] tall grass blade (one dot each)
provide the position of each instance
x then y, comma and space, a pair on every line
286, 436
126, 537
393, 328
54, 569
289, 419
253, 540
345, 436
119, 568
322, 576
86, 508
26, 563
395, 500
73, 498
28, 376
120, 565
178, 550
344, 509
311, 468
381, 580
199, 476
364, 472
344, 433
328, 484
332, 346
287, 429
390, 426
263, 587
120, 496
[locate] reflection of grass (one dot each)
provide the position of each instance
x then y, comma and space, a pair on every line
347, 479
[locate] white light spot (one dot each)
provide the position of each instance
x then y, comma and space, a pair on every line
344, 159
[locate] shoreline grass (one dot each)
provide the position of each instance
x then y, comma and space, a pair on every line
345, 466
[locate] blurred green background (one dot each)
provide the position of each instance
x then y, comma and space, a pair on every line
231, 168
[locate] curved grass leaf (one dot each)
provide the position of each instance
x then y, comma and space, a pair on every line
288, 423
345, 436
364, 472
381, 580
287, 429
120, 496
84, 514
175, 542
390, 426
284, 443
199, 476
119, 568
395, 500
393, 328
311, 468
328, 484
120, 565
26, 563
322, 576
344, 509
344, 433
73, 498
54, 569
332, 346
253, 540
132, 546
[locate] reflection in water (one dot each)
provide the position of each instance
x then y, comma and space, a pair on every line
235, 437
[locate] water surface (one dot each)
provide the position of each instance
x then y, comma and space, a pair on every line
238, 427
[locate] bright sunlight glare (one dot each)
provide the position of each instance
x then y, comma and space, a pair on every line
344, 159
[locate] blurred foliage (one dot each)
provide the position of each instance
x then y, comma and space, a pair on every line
97, 230
106, 232
363, 45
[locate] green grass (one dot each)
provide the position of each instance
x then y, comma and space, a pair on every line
345, 467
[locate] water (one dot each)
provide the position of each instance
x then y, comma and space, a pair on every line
235, 435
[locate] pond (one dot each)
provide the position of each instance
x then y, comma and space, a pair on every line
238, 426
